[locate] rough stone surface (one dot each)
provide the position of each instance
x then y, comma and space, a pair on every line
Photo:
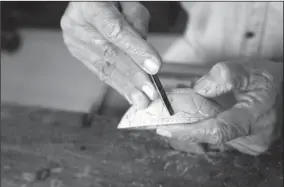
102, 156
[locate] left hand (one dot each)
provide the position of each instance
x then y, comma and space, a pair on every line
250, 125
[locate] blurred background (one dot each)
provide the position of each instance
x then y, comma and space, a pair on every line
38, 70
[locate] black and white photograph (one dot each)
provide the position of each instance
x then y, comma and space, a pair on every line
141, 93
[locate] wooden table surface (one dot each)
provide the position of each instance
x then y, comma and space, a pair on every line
101, 156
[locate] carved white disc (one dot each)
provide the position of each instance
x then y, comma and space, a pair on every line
189, 107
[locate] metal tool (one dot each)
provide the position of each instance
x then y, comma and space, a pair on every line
155, 79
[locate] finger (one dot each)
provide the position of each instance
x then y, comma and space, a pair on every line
251, 87
111, 24
222, 78
83, 40
107, 72
103, 69
110, 53
73, 16
126, 88
259, 142
77, 49
139, 78
137, 16
226, 126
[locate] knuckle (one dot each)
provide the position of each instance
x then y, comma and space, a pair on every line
104, 47
104, 17
114, 27
104, 68
108, 49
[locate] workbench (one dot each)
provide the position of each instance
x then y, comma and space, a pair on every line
34, 139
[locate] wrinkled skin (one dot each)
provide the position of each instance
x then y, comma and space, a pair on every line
111, 43
251, 125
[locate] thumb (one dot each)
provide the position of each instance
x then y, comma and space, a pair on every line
222, 78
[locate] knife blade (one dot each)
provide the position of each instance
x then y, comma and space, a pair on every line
159, 87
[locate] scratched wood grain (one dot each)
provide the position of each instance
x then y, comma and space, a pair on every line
33, 138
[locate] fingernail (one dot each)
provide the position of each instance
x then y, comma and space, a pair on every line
149, 91
163, 132
151, 66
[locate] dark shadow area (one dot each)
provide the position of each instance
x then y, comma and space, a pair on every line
166, 17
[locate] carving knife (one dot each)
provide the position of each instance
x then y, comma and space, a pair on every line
159, 87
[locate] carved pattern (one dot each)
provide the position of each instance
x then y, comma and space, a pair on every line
190, 109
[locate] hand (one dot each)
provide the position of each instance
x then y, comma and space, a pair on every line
110, 43
250, 125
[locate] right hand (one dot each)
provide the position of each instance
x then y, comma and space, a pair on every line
111, 44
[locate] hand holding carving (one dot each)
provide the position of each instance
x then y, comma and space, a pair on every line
250, 125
